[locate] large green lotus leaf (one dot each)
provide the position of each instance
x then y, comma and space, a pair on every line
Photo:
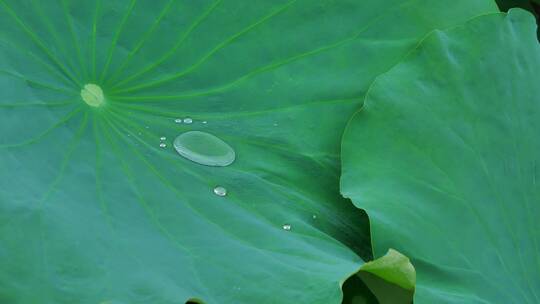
444, 159
93, 210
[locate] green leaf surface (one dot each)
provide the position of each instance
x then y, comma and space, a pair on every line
444, 159
93, 210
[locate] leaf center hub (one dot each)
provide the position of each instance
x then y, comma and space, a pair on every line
92, 94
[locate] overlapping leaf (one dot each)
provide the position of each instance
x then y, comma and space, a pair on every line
444, 159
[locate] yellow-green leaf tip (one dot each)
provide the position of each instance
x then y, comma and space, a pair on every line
394, 267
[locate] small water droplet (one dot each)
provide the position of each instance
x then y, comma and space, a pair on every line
205, 122
162, 138
129, 135
147, 127
314, 216
220, 191
163, 145
178, 120
275, 124
188, 120
204, 148
286, 227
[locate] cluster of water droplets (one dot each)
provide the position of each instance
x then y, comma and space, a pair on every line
203, 148
187, 120
162, 143
206, 149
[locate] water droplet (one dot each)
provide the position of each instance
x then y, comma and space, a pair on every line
314, 216
286, 227
163, 145
93, 95
275, 124
188, 120
162, 138
205, 122
147, 127
220, 191
204, 148
178, 120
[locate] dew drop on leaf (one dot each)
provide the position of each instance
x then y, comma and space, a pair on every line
286, 227
178, 120
163, 145
162, 138
204, 148
188, 120
220, 191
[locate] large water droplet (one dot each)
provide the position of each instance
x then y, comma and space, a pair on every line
220, 191
204, 148
287, 227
